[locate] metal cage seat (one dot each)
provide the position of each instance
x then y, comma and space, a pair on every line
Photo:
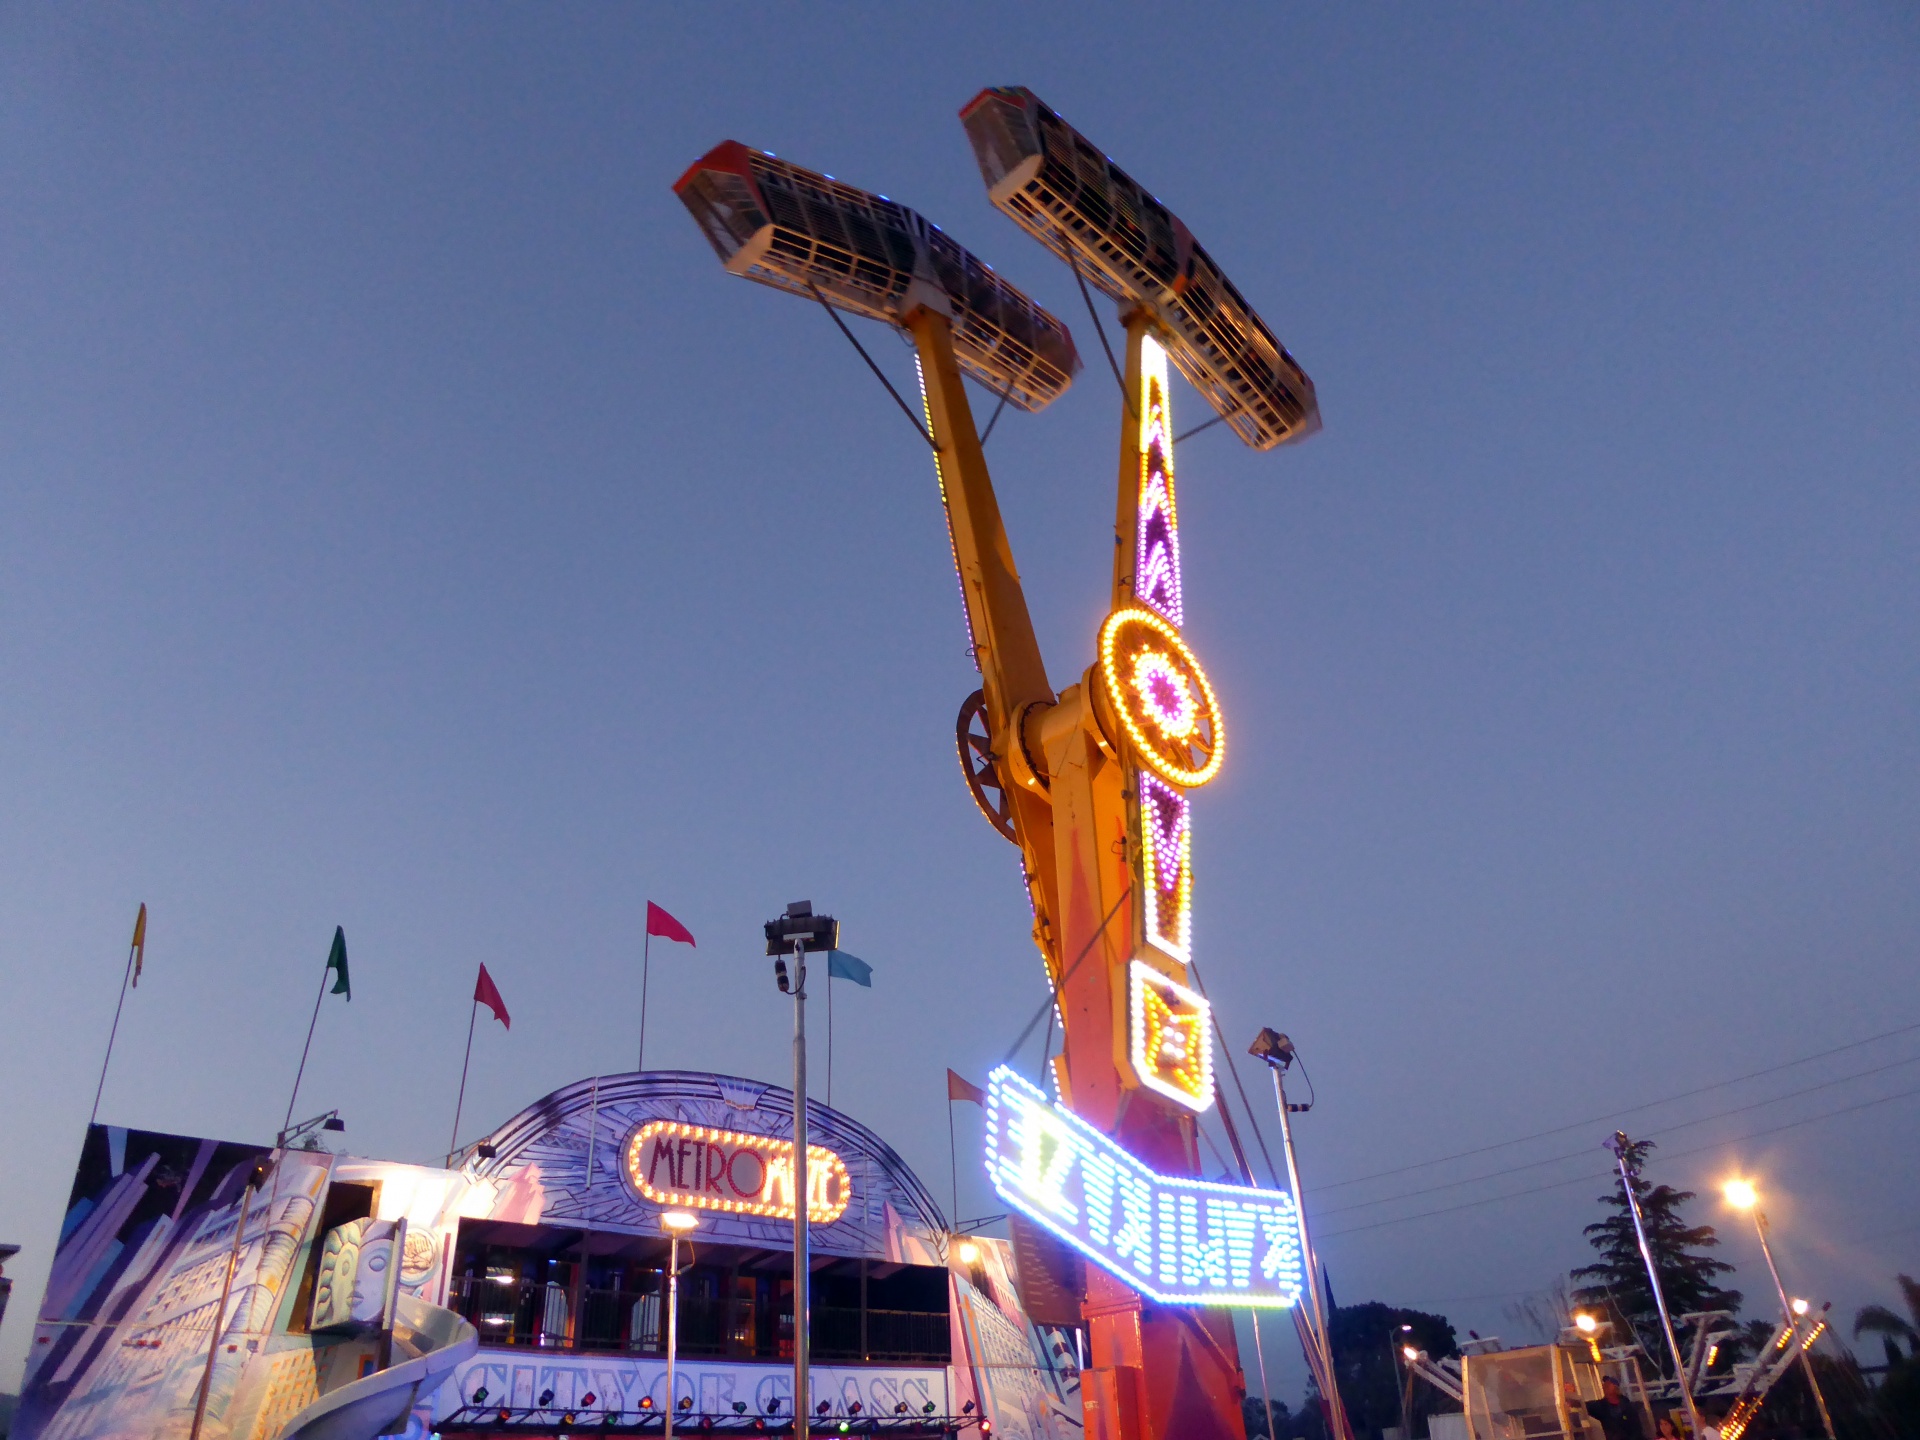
793, 228
1071, 198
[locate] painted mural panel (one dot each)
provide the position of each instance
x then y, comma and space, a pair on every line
1023, 1377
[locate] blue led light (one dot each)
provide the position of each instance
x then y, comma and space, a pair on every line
1175, 1240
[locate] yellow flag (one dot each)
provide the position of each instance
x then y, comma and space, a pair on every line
139, 943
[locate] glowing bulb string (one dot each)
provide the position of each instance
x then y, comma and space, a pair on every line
1631, 1110
879, 374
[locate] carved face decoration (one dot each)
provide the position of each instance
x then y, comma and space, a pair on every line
355, 1265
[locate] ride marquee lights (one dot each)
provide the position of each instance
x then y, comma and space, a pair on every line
1177, 1241
1171, 1037
1166, 866
671, 1162
1162, 697
1156, 560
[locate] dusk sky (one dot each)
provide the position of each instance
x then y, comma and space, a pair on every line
405, 524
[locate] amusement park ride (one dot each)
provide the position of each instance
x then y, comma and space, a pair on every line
1093, 782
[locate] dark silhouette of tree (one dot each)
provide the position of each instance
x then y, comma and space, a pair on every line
1898, 1398
1617, 1282
1254, 1410
1366, 1338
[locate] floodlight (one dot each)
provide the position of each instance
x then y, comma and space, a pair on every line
679, 1220
1740, 1194
812, 932
1273, 1047
969, 1253
1799, 1307
1585, 1323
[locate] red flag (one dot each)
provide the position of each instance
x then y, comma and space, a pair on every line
665, 926
486, 993
959, 1089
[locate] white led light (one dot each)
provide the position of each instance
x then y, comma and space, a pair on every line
1176, 1240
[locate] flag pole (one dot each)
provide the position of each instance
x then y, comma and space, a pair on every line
646, 945
829, 1029
472, 1019
953, 1165
101, 1087
325, 971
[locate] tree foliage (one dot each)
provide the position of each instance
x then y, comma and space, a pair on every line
1898, 1397
1617, 1283
1366, 1341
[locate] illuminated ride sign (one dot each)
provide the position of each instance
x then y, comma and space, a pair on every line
673, 1163
1176, 1241
1172, 1037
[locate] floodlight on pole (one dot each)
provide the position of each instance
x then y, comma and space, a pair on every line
797, 933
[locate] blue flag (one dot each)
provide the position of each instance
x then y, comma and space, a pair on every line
842, 966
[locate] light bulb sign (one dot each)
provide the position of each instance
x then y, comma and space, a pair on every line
1177, 1241
671, 1162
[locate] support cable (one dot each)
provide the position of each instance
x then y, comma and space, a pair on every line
1005, 395
1208, 425
1098, 328
1054, 997
879, 374
1234, 1070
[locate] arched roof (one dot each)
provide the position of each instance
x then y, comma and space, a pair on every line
540, 1174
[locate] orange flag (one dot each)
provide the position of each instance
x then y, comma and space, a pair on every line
139, 943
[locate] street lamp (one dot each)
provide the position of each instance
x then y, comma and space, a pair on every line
1277, 1053
1410, 1353
796, 933
1742, 1195
676, 1223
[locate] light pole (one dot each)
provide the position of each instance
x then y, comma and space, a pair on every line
1742, 1195
676, 1223
1622, 1149
1277, 1051
796, 933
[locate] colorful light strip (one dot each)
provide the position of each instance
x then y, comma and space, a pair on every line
1156, 562
1166, 866
1163, 697
1175, 1240
1171, 1036
718, 1182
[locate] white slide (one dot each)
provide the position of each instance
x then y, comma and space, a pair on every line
432, 1340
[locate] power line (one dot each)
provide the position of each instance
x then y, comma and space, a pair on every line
1652, 1160
1630, 1110
1666, 1130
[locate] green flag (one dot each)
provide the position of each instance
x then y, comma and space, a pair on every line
337, 961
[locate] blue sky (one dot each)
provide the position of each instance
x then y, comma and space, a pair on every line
406, 525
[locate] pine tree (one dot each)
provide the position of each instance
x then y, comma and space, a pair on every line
1616, 1285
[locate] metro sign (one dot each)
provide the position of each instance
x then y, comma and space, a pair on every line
1177, 1241
671, 1162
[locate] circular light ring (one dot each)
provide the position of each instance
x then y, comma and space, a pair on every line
1172, 719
